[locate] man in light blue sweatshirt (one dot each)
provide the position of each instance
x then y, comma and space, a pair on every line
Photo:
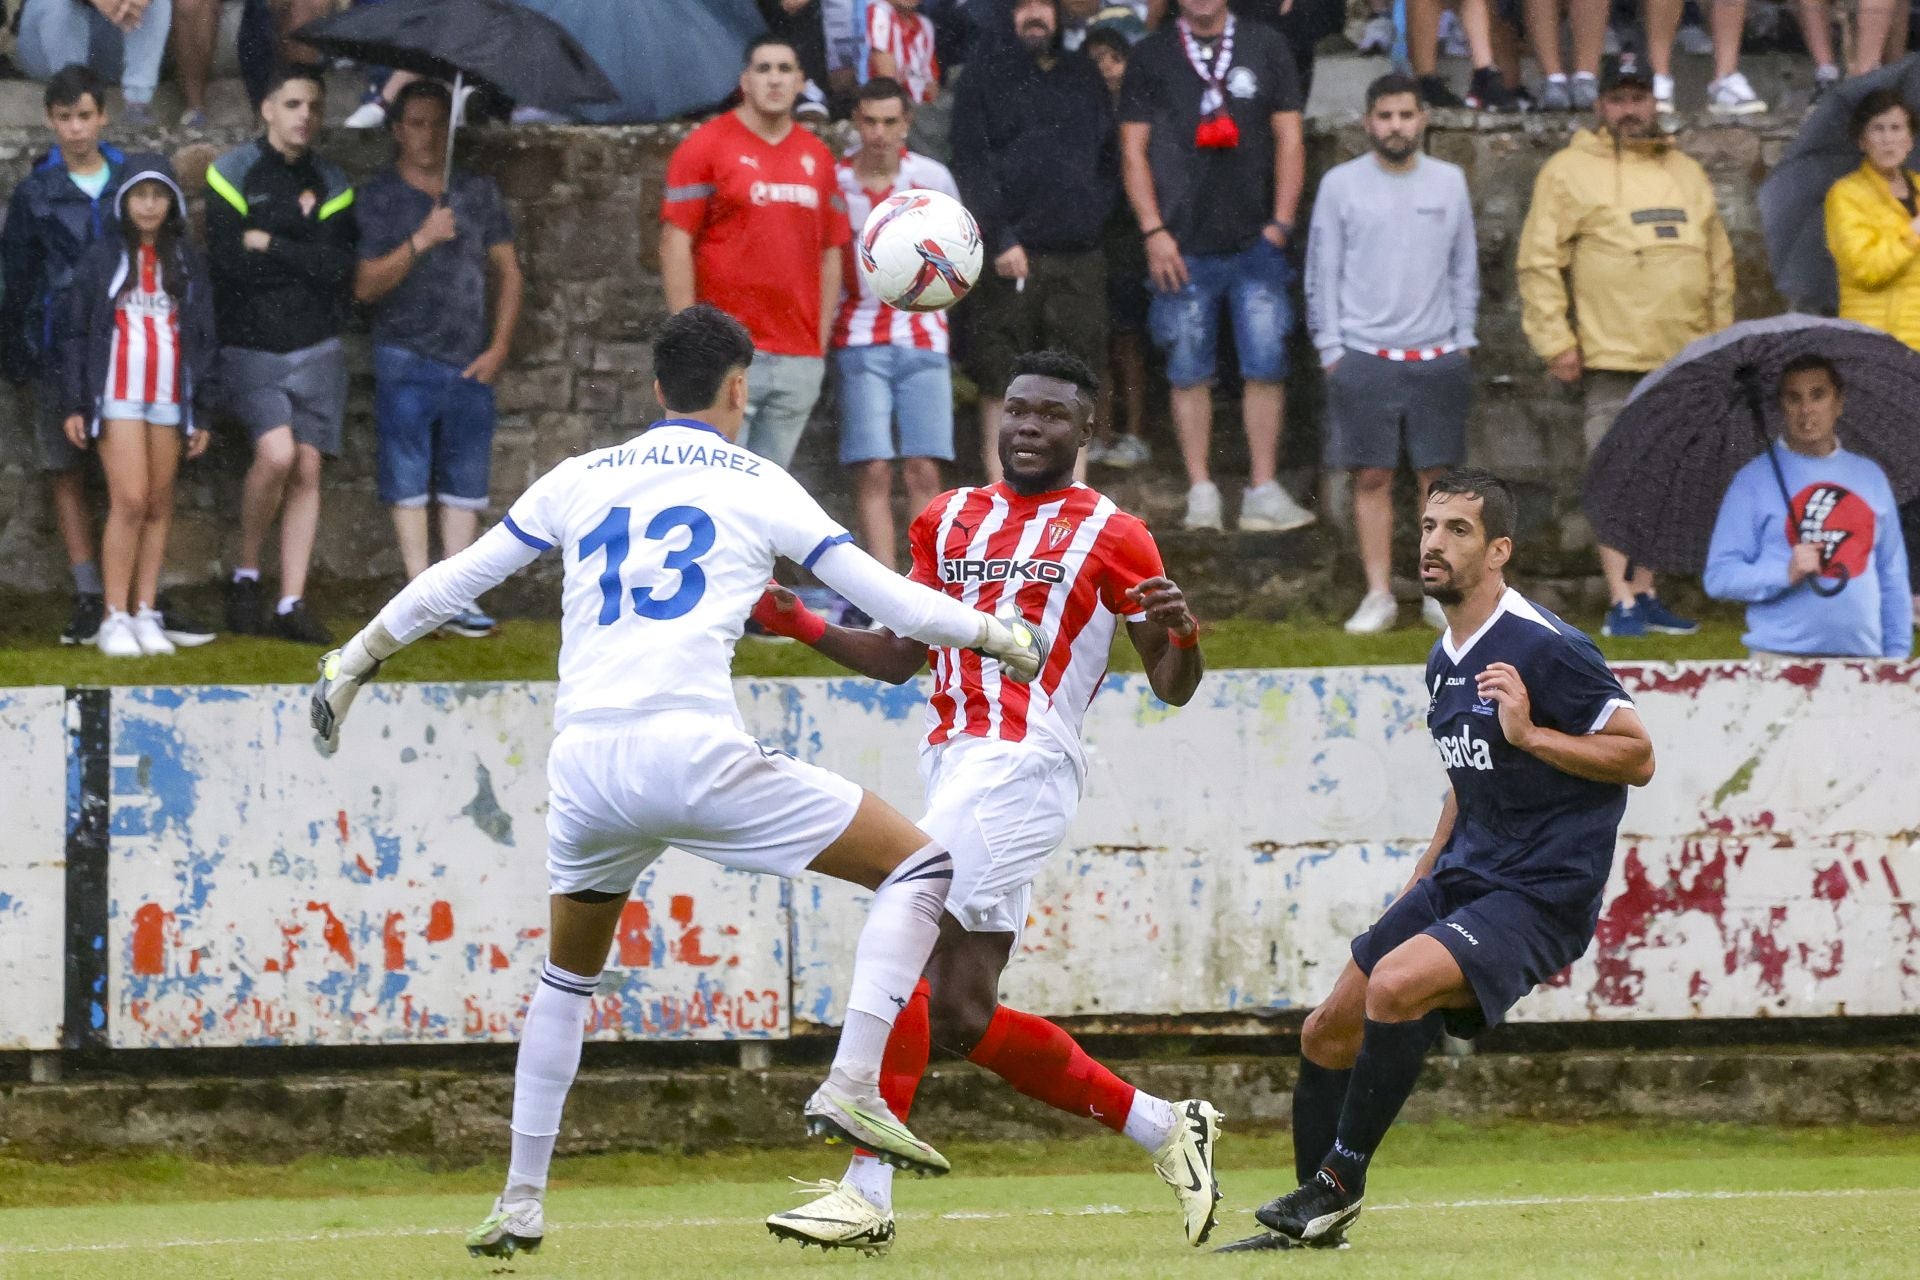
1393, 286
1843, 525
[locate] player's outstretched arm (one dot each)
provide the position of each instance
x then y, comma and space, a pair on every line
877, 653
910, 609
426, 602
1167, 640
1620, 751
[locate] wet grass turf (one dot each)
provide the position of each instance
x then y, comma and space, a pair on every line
1447, 1200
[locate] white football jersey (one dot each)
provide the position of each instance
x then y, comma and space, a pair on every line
669, 540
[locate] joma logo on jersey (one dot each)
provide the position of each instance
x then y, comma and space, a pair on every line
1461, 750
1001, 571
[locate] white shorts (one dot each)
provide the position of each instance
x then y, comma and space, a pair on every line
622, 790
1001, 809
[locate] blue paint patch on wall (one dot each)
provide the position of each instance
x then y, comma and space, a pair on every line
156, 790
891, 701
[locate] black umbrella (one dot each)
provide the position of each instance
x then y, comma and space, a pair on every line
1654, 486
1793, 197
522, 54
666, 57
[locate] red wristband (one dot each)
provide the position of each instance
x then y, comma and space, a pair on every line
1191, 640
799, 623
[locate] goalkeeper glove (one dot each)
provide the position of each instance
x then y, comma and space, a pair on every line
1020, 647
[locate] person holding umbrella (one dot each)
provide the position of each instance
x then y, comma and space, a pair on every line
1623, 261
1838, 529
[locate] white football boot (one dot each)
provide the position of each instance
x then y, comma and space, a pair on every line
838, 1217
1185, 1163
513, 1228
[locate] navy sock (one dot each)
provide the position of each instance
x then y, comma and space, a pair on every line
1383, 1076
1319, 1093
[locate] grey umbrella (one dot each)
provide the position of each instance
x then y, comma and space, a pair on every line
1654, 485
1793, 197
664, 57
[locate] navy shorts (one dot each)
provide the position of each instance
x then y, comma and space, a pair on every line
1504, 942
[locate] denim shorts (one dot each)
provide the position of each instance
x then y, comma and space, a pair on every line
436, 431
1253, 283
881, 384
154, 415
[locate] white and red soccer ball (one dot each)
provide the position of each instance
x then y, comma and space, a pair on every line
920, 251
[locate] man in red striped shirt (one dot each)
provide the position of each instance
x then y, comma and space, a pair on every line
1003, 767
892, 365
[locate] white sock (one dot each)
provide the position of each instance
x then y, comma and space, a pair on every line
902, 926
1558, 77
1150, 1120
246, 575
549, 1058
286, 604
872, 1178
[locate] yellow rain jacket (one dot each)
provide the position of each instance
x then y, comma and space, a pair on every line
1634, 234
1874, 245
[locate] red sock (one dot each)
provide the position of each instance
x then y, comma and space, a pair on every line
1044, 1062
905, 1058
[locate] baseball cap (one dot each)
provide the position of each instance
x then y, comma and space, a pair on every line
1623, 70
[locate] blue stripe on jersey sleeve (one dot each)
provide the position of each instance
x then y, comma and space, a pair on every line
538, 544
814, 555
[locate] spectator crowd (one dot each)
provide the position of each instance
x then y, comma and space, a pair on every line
1138, 170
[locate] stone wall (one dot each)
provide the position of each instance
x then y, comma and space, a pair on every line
585, 203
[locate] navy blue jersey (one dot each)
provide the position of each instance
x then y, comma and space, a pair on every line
1523, 824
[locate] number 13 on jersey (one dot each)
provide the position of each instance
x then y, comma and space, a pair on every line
613, 535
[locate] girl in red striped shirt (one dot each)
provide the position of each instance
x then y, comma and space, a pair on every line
137, 347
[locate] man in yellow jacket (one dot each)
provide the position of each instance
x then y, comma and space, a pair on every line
1623, 261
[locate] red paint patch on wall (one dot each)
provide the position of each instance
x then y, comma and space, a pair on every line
1830, 883
439, 922
334, 933
150, 939
394, 941
498, 959
686, 948
633, 938
341, 819
1697, 883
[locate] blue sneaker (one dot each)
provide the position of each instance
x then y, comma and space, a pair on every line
1624, 620
471, 623
1657, 617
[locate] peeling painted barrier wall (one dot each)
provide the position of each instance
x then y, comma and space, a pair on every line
1223, 856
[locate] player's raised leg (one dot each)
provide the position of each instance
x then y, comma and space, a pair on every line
910, 876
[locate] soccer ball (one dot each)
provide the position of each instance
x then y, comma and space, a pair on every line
920, 251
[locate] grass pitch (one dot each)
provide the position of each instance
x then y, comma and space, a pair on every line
1491, 1202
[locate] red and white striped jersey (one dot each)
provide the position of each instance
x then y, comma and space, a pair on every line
864, 320
145, 365
1067, 560
909, 38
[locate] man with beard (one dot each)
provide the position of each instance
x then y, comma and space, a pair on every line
1393, 283
1540, 744
1632, 223
1034, 154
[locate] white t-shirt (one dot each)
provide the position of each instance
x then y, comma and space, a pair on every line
669, 539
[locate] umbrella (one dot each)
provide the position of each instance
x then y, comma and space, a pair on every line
1654, 486
664, 58
1793, 197
503, 45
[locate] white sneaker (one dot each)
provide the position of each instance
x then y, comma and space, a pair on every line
1185, 1163
840, 1114
1378, 612
511, 1228
1127, 452
838, 1217
1378, 36
1663, 95
1432, 614
117, 638
1731, 95
1268, 508
371, 114
149, 631
1203, 507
